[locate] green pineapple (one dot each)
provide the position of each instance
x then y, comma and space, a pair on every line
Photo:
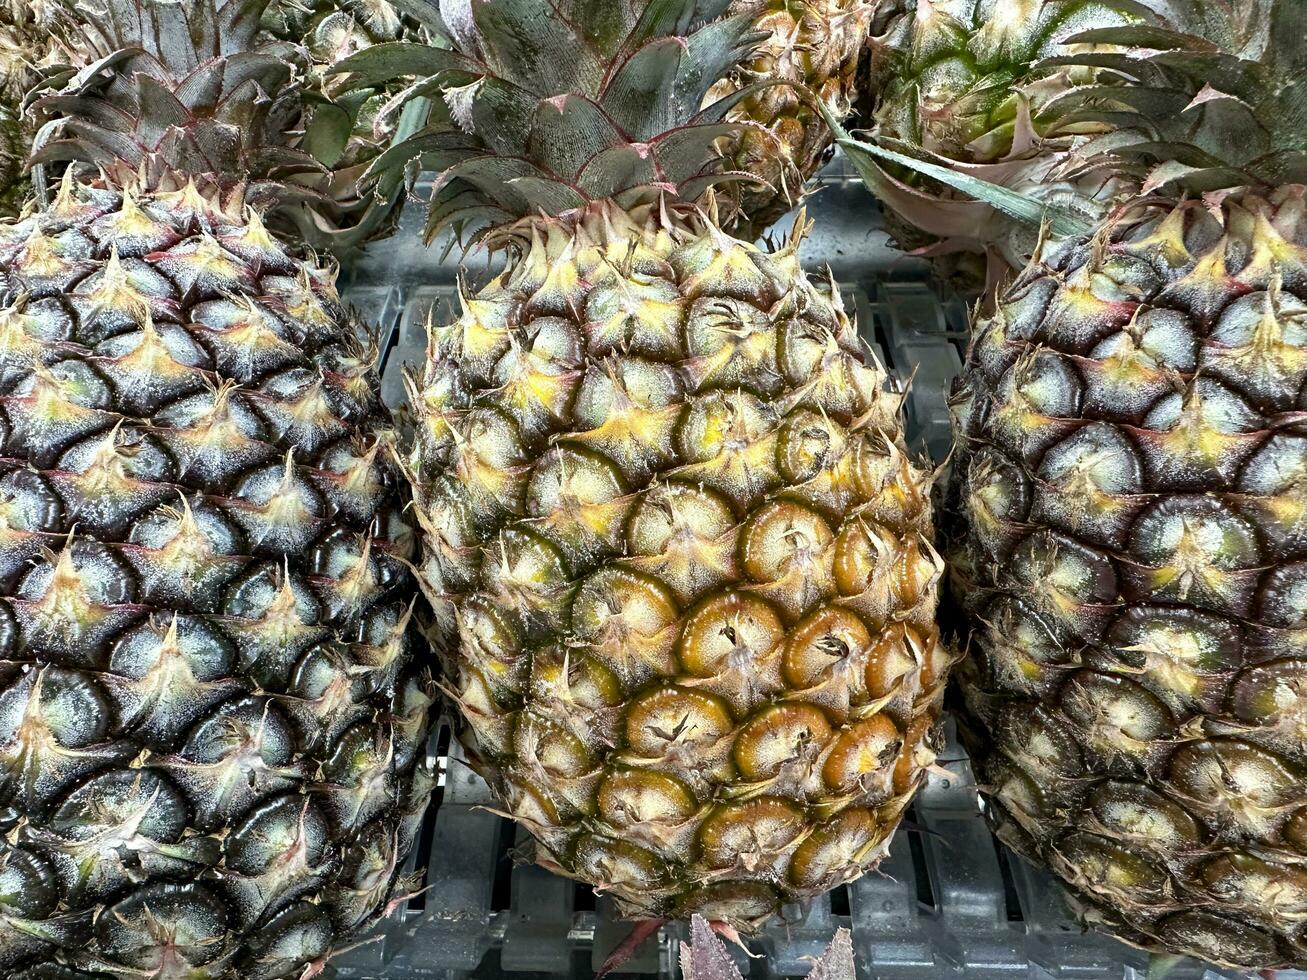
212, 723
664, 490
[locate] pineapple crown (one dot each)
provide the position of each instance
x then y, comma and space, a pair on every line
548, 106
1211, 95
1215, 96
178, 89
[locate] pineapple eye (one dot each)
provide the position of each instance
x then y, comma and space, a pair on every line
778, 736
752, 836
619, 863
29, 888
676, 721
1246, 785
826, 642
1109, 870
637, 799
1144, 818
836, 849
729, 631
1284, 597
862, 759
1215, 937
164, 924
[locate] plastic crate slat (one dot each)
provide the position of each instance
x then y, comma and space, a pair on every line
536, 936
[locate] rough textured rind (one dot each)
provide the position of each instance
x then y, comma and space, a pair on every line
668, 507
211, 722
1132, 471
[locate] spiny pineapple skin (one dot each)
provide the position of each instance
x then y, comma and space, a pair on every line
668, 507
813, 42
211, 722
1133, 481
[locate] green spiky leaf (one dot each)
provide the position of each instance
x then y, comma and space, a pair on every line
864, 157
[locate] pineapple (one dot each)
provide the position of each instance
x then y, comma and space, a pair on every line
34, 34
1132, 479
816, 43
664, 491
972, 84
211, 720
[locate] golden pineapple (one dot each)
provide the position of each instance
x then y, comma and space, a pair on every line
681, 555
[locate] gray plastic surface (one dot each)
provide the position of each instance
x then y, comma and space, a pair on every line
948, 903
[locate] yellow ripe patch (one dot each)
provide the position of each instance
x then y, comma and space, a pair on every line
483, 473
1130, 368
152, 359
254, 234
1198, 563
538, 380
1270, 254
1195, 437
116, 293
1166, 240
631, 425
131, 220
728, 270
41, 255
479, 333
1208, 283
